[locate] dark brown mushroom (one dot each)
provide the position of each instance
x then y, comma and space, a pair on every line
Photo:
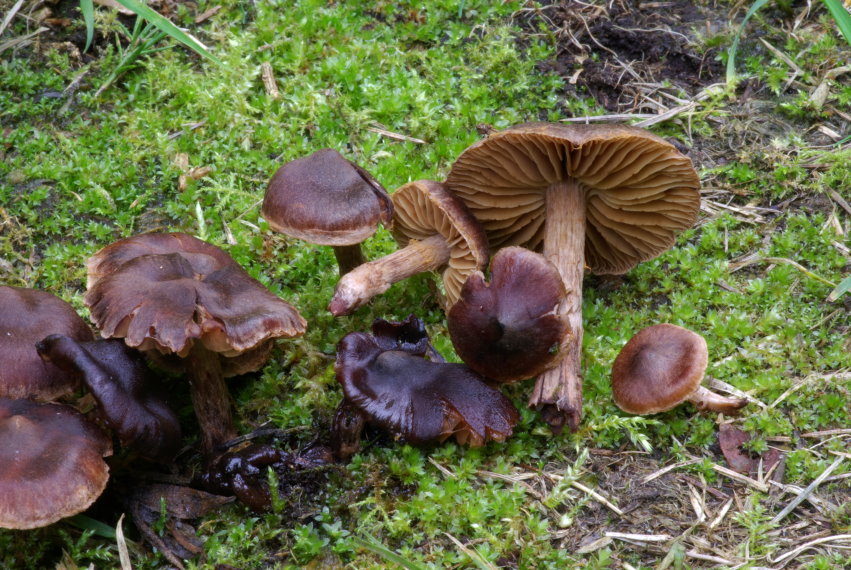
414, 399
661, 367
609, 196
129, 398
27, 316
174, 293
435, 231
52, 463
509, 330
327, 200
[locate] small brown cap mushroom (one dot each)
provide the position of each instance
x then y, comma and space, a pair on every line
509, 330
27, 316
325, 199
661, 367
52, 462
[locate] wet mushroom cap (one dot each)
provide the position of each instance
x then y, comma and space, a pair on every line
27, 316
658, 369
508, 329
325, 199
425, 208
419, 400
166, 291
52, 462
640, 191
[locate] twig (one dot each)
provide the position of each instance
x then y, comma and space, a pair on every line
664, 470
796, 551
268, 76
9, 15
807, 491
395, 136
639, 537
446, 472
606, 118
471, 554
759, 259
669, 114
762, 487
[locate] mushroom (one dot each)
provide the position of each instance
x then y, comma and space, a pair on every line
609, 196
508, 330
327, 200
174, 293
414, 399
661, 367
435, 231
128, 396
27, 316
52, 462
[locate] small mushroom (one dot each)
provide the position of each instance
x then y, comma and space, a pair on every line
128, 396
509, 330
414, 399
661, 367
52, 463
173, 293
435, 231
27, 316
327, 200
609, 196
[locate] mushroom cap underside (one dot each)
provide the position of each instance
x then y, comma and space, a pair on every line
640, 191
424, 208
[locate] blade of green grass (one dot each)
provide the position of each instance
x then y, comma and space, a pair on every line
841, 16
167, 27
372, 544
84, 522
731, 52
87, 7
843, 287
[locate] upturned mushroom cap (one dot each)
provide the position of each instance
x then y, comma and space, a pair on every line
27, 316
52, 462
325, 199
509, 330
640, 191
168, 291
418, 400
425, 208
128, 395
661, 367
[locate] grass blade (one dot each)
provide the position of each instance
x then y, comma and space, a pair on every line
841, 16
731, 52
376, 547
84, 522
87, 7
843, 287
167, 27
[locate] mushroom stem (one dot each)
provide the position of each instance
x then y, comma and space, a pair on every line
348, 257
705, 399
375, 277
210, 398
558, 391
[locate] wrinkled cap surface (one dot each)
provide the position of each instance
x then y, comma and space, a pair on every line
128, 396
509, 329
425, 208
52, 462
167, 291
325, 199
419, 400
658, 368
639, 190
26, 317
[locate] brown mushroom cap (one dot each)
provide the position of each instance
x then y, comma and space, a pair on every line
52, 462
168, 291
26, 317
425, 208
325, 199
640, 191
509, 330
658, 368
419, 400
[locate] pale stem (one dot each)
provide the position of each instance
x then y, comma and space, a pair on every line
375, 277
210, 398
558, 391
705, 399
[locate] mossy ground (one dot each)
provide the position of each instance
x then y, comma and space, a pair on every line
775, 162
